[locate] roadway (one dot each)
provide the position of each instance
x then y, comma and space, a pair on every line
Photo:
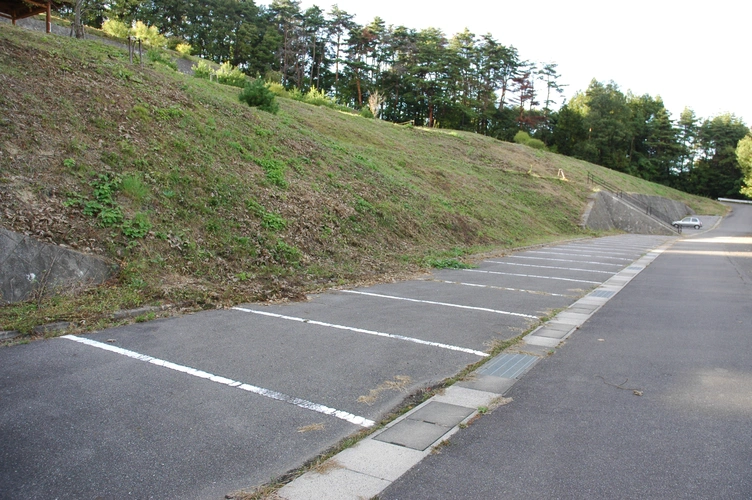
650, 398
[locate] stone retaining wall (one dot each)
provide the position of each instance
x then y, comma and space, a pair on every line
29, 267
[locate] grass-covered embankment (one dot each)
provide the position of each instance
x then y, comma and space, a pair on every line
204, 201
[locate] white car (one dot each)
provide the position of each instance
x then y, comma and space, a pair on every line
688, 222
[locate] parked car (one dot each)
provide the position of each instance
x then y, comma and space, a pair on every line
688, 222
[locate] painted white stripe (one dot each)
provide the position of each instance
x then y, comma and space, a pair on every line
535, 292
577, 254
368, 332
301, 403
532, 276
548, 259
549, 267
445, 304
601, 250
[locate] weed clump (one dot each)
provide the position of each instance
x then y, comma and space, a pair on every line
448, 264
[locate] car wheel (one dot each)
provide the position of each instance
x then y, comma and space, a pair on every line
676, 226
697, 227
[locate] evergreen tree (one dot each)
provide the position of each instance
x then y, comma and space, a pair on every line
718, 172
744, 158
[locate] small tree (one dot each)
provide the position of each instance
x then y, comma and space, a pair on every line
115, 28
149, 34
77, 27
257, 95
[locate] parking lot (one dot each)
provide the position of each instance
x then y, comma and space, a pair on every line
205, 404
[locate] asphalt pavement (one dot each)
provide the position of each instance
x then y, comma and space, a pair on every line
206, 404
650, 398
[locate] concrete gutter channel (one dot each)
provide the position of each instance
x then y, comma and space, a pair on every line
370, 466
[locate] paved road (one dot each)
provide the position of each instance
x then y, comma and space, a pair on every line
680, 335
202, 405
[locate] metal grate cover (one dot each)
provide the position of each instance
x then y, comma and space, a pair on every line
509, 365
604, 294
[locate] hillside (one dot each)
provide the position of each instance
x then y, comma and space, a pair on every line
206, 202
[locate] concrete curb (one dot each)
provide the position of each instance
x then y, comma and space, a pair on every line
370, 466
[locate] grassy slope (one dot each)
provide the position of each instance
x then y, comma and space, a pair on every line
245, 205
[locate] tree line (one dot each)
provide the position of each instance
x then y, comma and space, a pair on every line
464, 82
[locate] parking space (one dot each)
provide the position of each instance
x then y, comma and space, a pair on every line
282, 382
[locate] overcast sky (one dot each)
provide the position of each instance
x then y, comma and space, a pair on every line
695, 54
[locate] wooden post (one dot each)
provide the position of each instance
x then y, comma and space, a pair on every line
140, 53
130, 50
49, 16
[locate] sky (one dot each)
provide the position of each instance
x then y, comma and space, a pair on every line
691, 54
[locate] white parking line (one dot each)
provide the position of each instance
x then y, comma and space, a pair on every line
532, 276
301, 403
550, 267
603, 250
549, 259
446, 304
568, 254
534, 292
368, 332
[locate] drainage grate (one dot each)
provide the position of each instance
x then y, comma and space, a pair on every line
508, 365
635, 268
605, 294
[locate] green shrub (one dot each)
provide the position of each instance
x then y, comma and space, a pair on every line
184, 49
227, 74
257, 95
523, 137
277, 89
365, 112
115, 28
318, 98
202, 70
536, 144
149, 35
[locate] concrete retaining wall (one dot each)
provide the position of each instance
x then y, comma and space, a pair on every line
29, 267
607, 212
674, 209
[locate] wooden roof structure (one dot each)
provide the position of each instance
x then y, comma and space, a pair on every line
21, 9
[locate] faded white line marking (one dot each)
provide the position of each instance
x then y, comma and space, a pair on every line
533, 276
550, 267
601, 250
445, 304
568, 254
368, 332
301, 403
534, 292
549, 259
